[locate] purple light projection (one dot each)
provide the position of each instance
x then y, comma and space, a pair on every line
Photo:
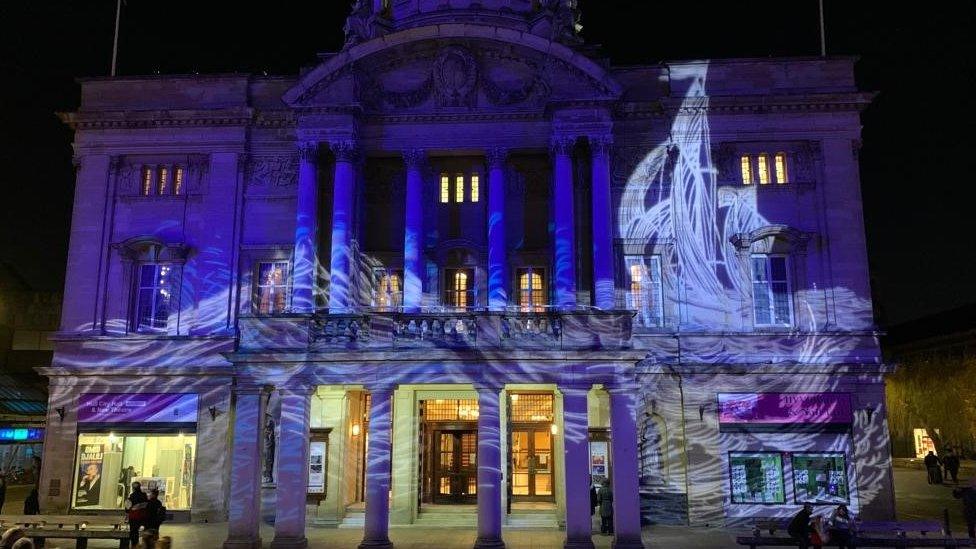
784, 408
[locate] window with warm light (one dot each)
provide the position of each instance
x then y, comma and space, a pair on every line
272, 288
163, 183
445, 189
781, 173
532, 294
475, 187
388, 289
459, 188
459, 288
454, 188
147, 181
645, 293
746, 166
764, 168
178, 174
763, 165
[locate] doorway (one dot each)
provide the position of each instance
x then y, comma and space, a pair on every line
532, 465
455, 467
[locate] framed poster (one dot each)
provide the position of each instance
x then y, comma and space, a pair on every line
599, 460
90, 458
756, 478
318, 464
820, 479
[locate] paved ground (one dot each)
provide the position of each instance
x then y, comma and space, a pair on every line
915, 500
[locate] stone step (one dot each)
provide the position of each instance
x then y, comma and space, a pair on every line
354, 520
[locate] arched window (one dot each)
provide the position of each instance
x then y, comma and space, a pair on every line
156, 271
532, 294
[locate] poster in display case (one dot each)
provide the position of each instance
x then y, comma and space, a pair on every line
820, 478
756, 478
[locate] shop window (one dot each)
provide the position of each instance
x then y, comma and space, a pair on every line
756, 478
459, 288
772, 299
644, 292
153, 297
532, 294
820, 478
271, 297
107, 464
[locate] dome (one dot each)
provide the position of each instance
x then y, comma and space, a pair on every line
553, 19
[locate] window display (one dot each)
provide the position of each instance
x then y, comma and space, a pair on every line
756, 478
820, 478
109, 463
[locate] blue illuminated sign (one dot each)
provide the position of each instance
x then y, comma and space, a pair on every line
21, 434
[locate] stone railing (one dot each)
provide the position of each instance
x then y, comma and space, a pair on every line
547, 330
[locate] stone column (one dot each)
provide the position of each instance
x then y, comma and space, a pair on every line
489, 469
601, 223
306, 265
414, 230
245, 476
497, 256
376, 531
579, 525
623, 438
292, 486
343, 194
564, 245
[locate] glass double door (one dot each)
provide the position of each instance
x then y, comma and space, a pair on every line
532, 466
455, 467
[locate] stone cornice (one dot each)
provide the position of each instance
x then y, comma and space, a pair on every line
108, 120
771, 104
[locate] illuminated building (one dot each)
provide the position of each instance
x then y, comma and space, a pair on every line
506, 264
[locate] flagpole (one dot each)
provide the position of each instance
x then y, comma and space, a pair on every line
823, 34
115, 42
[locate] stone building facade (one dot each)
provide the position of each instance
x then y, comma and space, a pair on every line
466, 261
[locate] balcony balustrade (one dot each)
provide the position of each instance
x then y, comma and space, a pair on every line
460, 330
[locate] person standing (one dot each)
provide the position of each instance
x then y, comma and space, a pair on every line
799, 528
606, 508
839, 528
933, 465
135, 507
951, 463
32, 505
968, 497
594, 502
155, 513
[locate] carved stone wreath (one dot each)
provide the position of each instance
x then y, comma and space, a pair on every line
455, 77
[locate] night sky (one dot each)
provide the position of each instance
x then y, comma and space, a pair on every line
919, 135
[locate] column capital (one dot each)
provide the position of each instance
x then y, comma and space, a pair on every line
415, 158
488, 387
601, 145
380, 389
308, 151
574, 388
497, 156
345, 150
621, 388
562, 145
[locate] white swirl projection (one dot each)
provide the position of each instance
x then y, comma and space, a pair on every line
673, 204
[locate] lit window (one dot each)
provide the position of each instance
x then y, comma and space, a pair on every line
781, 174
763, 169
147, 181
459, 188
746, 170
154, 297
475, 183
445, 189
272, 288
532, 289
178, 180
163, 180
389, 289
459, 288
771, 290
645, 294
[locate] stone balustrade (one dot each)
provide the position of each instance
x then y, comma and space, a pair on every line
547, 330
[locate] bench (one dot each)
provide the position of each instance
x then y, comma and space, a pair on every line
81, 528
865, 534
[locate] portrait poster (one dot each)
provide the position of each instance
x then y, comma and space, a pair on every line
599, 460
316, 467
90, 461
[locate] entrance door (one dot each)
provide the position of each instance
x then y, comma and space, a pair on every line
532, 468
455, 466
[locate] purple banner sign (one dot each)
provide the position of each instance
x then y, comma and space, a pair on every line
782, 408
136, 408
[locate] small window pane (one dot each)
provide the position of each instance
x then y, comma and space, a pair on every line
272, 294
763, 169
147, 181
746, 167
475, 184
445, 189
781, 176
163, 180
178, 180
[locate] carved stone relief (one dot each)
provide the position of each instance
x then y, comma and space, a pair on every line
272, 171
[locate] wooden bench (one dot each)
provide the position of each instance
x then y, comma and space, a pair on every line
81, 528
865, 534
